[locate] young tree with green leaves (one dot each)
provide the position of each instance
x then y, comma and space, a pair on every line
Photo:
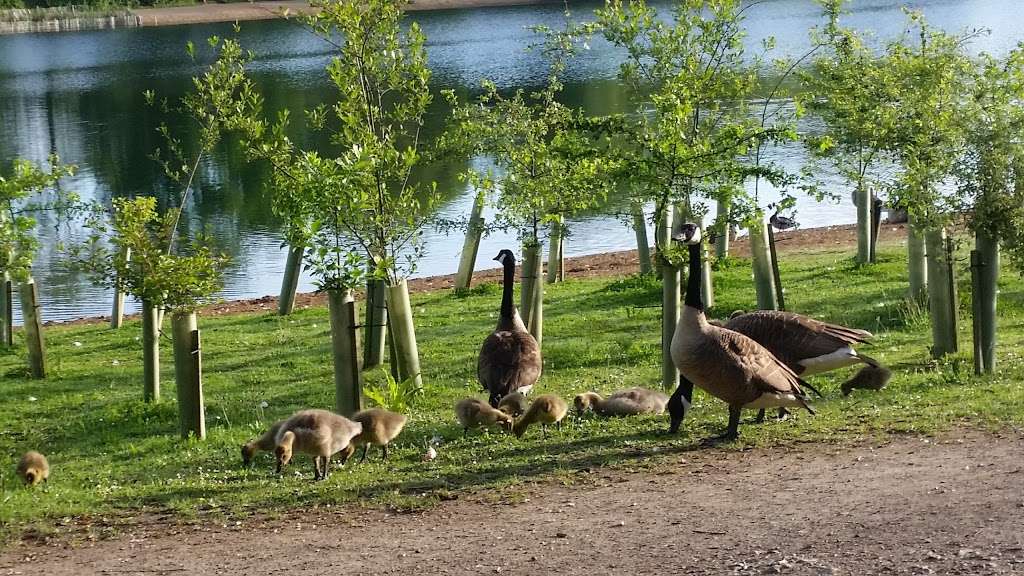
19, 202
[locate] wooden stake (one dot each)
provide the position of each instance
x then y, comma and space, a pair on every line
643, 247
977, 293
862, 195
348, 373
290, 281
670, 296
33, 328
780, 298
529, 273
150, 353
404, 333
188, 375
941, 294
706, 279
723, 228
471, 245
555, 264
6, 311
117, 310
876, 223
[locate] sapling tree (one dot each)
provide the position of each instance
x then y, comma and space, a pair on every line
690, 79
20, 201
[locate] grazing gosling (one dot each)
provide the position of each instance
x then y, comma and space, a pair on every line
473, 413
380, 427
514, 404
546, 409
265, 443
319, 433
622, 403
33, 468
868, 378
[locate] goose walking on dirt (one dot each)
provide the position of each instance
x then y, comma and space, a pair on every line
726, 364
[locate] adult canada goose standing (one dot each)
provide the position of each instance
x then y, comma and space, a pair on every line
726, 364
510, 357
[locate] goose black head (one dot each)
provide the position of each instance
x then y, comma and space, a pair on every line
689, 233
506, 257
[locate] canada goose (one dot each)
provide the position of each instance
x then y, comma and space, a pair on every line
380, 427
473, 413
319, 433
265, 443
33, 468
510, 357
545, 409
623, 402
726, 364
514, 404
868, 378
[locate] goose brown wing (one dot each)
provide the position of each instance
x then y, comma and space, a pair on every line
508, 361
793, 337
766, 372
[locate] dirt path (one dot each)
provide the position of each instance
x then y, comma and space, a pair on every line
910, 506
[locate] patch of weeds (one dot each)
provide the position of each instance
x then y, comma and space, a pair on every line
485, 289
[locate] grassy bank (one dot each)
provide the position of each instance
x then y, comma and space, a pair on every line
113, 456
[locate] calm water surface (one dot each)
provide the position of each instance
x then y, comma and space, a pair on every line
80, 95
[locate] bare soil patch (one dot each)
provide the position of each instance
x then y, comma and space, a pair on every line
909, 505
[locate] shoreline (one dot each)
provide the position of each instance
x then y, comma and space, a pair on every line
604, 265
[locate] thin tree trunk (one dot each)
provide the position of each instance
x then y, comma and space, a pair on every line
722, 228
780, 296
764, 280
555, 262
33, 328
6, 311
471, 246
864, 206
643, 247
117, 310
376, 324
150, 353
188, 375
348, 383
988, 250
404, 333
535, 322
670, 281
917, 269
290, 281
941, 294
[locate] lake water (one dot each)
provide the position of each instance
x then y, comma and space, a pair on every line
80, 95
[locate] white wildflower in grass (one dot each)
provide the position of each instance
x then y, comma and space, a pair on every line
76, 344
32, 398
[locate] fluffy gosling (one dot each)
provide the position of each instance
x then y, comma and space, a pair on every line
622, 403
514, 404
546, 409
33, 468
380, 427
319, 433
473, 413
868, 378
265, 443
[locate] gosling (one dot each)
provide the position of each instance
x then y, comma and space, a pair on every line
546, 409
514, 404
868, 378
473, 413
380, 427
319, 433
265, 443
33, 468
622, 403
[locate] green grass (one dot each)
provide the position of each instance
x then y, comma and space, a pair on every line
114, 456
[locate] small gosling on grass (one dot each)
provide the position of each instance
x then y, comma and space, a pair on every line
622, 403
380, 427
514, 404
265, 443
319, 433
868, 378
473, 413
546, 409
33, 468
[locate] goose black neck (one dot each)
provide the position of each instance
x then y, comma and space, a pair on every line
693, 297
507, 309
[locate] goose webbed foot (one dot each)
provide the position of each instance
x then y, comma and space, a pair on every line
732, 433
760, 417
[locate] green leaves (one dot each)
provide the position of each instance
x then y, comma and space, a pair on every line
18, 243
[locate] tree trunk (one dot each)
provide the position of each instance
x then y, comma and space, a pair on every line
376, 324
33, 328
188, 375
780, 294
348, 374
556, 264
670, 281
471, 246
941, 294
988, 251
643, 247
764, 280
722, 228
117, 310
404, 333
6, 311
864, 209
917, 269
150, 353
290, 281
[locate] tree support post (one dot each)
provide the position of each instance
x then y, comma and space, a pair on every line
33, 328
670, 281
780, 297
917, 269
376, 323
530, 271
976, 297
471, 245
150, 353
643, 247
290, 281
876, 224
6, 311
764, 279
864, 207
117, 310
404, 333
556, 260
988, 250
348, 374
941, 293
707, 286
188, 375
722, 228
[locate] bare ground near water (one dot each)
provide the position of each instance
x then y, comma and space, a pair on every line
906, 505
